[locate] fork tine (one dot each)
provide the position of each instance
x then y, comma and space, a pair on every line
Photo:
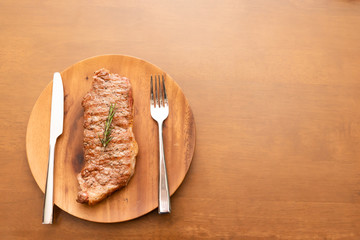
151, 91
165, 97
160, 93
156, 93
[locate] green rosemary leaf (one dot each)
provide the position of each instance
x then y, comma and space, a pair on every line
107, 129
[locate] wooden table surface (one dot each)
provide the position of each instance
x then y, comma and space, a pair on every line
275, 90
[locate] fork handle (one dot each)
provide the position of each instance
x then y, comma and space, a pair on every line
164, 198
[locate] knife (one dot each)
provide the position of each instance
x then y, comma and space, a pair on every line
56, 129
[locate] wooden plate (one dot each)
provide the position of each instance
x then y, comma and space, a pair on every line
141, 194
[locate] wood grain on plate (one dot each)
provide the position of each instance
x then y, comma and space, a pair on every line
141, 194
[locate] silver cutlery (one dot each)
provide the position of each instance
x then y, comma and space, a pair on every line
159, 109
56, 129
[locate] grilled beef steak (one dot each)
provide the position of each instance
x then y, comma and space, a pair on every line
108, 168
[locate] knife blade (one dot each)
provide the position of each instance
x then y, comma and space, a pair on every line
56, 129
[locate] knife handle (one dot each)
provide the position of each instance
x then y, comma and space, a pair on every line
49, 188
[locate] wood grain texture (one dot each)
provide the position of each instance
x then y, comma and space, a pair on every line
140, 196
274, 88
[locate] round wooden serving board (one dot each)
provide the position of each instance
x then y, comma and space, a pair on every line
141, 194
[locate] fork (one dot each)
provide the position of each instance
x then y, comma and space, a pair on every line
159, 109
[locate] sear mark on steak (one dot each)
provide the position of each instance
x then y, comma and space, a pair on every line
107, 169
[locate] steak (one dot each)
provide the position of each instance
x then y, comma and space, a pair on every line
108, 168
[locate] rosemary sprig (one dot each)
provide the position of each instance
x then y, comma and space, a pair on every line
107, 131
